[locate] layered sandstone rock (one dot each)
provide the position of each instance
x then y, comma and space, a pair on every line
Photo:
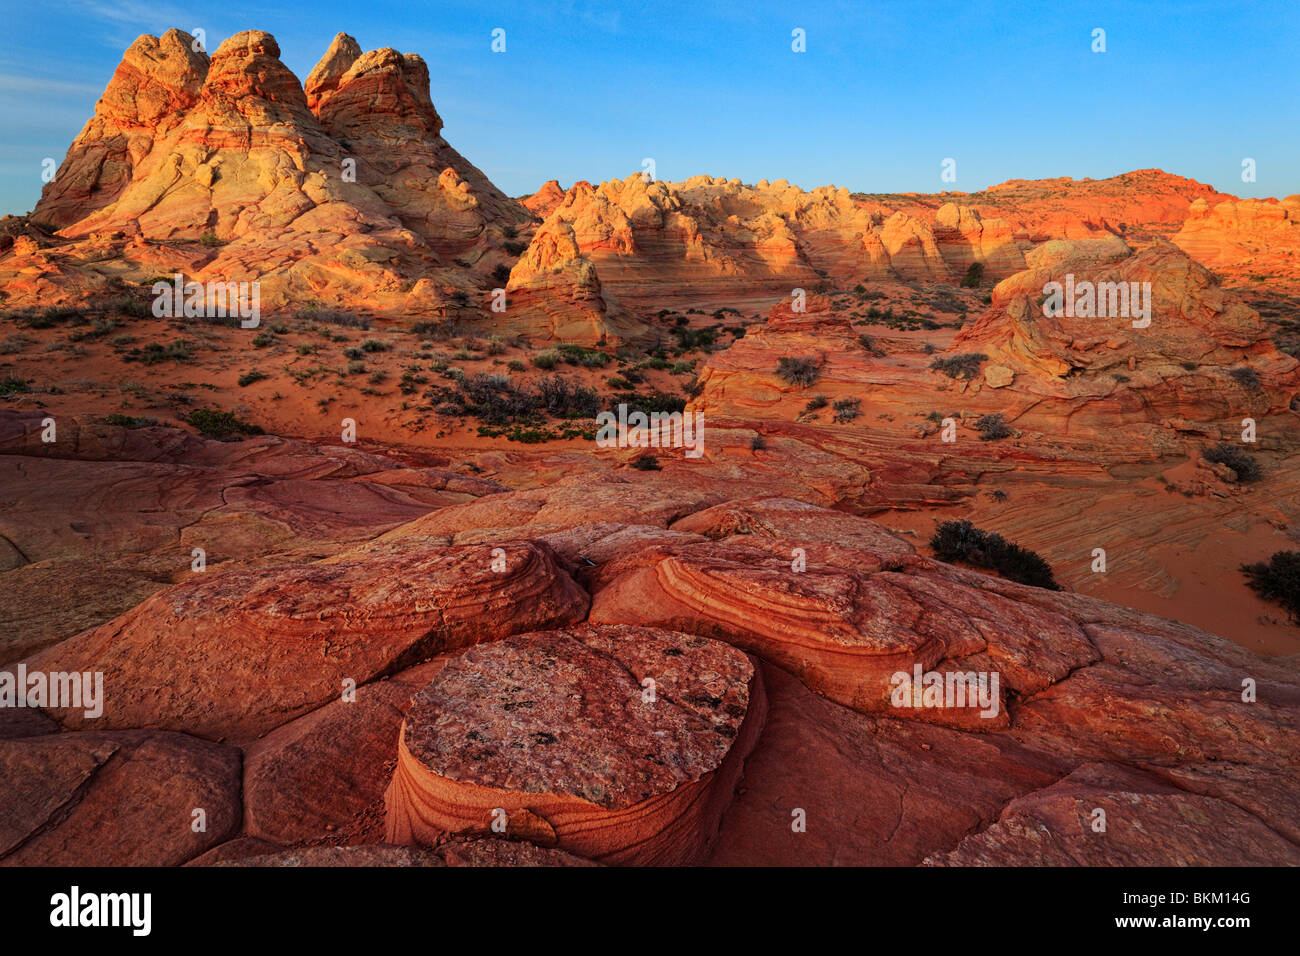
1112, 815
130, 798
157, 82
249, 649
619, 744
1243, 236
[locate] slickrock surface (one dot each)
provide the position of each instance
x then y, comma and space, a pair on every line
115, 799
1146, 823
248, 649
1245, 235
321, 772
554, 731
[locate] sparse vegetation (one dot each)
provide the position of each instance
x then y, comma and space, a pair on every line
646, 463
965, 366
218, 424
1246, 377
974, 276
154, 353
547, 360
1277, 579
12, 385
1246, 466
248, 378
962, 541
802, 372
847, 409
993, 427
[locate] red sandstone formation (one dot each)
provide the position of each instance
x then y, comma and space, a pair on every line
620, 744
384, 645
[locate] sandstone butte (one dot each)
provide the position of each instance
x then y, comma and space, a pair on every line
437, 647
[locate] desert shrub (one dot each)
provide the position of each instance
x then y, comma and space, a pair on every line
682, 367
378, 377
619, 383
248, 378
501, 274
868, 343
154, 353
646, 463
798, 371
346, 320
353, 352
210, 240
962, 541
1246, 466
587, 358
356, 367
515, 365
815, 403
847, 409
374, 345
219, 424
1246, 377
652, 402
992, 427
547, 360
498, 401
965, 366
495, 346
757, 443
564, 399
654, 362
122, 421
974, 276
514, 249
12, 385
1278, 580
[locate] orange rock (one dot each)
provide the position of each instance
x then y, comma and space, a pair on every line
552, 737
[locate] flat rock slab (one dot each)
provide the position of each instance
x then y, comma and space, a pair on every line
554, 736
238, 653
1147, 822
115, 799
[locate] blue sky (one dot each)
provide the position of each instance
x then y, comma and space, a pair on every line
885, 92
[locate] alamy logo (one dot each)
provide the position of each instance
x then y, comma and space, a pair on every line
656, 430
950, 689
213, 300
1086, 300
56, 689
75, 908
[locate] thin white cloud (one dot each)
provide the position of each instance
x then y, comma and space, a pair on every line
11, 83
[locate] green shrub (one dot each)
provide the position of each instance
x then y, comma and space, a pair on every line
962, 541
974, 276
154, 353
547, 360
218, 424
374, 345
815, 403
12, 385
248, 378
